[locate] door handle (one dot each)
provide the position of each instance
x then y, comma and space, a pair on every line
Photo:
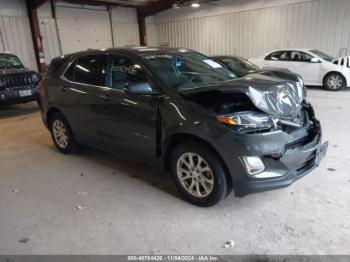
106, 97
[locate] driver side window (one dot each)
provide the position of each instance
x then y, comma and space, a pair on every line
124, 72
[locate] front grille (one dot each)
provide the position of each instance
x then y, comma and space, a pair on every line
16, 80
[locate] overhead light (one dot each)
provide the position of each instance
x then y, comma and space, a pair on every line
195, 5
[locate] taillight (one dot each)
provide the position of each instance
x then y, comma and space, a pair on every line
41, 86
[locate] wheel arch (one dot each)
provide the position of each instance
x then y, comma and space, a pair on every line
176, 139
50, 113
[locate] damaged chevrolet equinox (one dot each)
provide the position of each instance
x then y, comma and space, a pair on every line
176, 108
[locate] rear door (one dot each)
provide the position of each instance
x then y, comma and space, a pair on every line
80, 97
128, 120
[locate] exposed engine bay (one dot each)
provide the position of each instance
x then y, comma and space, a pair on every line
239, 104
222, 104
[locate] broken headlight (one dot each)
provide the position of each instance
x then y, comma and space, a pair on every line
248, 121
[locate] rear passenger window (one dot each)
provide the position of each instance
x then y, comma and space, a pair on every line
90, 70
278, 56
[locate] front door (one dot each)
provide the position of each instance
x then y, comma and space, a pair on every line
302, 64
128, 120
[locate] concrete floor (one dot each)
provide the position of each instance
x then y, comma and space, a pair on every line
130, 208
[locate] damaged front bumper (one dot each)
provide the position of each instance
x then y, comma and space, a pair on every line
286, 156
295, 164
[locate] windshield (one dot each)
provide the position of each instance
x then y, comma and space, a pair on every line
237, 63
9, 61
324, 56
185, 70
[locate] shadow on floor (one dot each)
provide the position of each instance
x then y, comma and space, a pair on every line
321, 88
7, 111
123, 166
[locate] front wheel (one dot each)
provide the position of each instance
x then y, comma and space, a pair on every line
334, 82
198, 174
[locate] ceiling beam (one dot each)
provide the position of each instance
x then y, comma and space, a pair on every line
35, 4
155, 7
106, 3
91, 2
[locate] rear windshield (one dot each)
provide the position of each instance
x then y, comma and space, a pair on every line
55, 65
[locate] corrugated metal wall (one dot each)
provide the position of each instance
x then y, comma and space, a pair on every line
322, 24
49, 38
15, 37
151, 32
125, 26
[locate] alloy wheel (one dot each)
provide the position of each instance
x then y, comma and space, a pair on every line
195, 175
335, 82
60, 133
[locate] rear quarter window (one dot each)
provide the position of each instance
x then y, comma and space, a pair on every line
54, 66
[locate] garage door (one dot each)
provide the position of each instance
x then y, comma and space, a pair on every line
81, 29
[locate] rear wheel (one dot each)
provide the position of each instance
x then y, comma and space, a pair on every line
198, 174
334, 82
61, 134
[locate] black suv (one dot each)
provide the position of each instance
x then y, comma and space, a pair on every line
180, 109
17, 83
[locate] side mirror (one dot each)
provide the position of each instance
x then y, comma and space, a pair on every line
315, 60
141, 89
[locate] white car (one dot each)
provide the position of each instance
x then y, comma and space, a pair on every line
315, 67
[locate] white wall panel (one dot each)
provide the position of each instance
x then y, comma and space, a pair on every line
49, 39
323, 24
13, 8
151, 32
125, 27
15, 37
126, 34
81, 29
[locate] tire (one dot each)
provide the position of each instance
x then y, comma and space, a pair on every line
62, 134
205, 188
334, 82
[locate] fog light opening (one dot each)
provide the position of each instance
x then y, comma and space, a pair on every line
253, 165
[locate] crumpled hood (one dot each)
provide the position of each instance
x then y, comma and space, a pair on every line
274, 96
